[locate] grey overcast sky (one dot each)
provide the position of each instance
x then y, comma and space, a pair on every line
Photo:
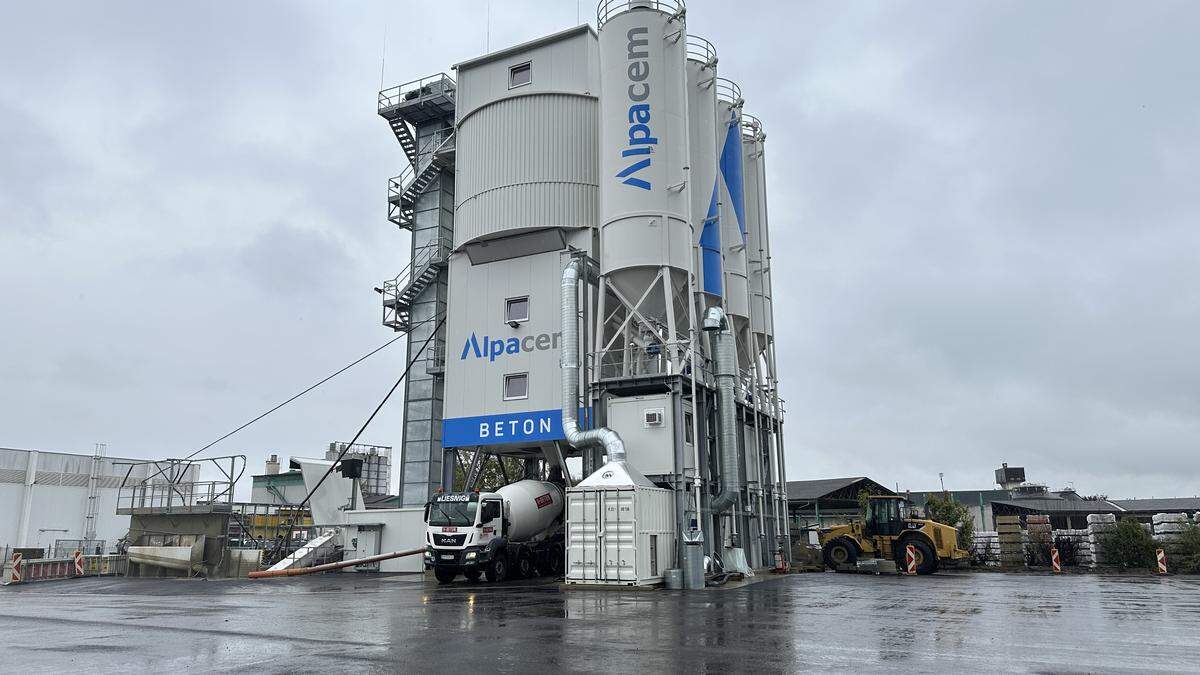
984, 220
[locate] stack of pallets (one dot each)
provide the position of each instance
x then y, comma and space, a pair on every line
1012, 546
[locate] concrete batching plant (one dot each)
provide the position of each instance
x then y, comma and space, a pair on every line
588, 213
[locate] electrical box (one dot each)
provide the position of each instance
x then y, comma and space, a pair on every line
648, 426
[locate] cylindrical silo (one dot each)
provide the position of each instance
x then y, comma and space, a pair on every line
527, 160
757, 243
732, 208
644, 193
702, 145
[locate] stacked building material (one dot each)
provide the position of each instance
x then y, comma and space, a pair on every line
986, 548
1167, 529
1012, 546
1099, 524
1082, 543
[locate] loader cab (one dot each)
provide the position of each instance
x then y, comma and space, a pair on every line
883, 516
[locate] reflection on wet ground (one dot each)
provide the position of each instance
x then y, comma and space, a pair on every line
817, 622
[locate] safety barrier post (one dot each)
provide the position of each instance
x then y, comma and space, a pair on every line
1054, 560
1162, 561
14, 574
910, 559
78, 563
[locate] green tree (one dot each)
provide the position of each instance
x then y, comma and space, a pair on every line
947, 510
1129, 546
491, 476
1186, 559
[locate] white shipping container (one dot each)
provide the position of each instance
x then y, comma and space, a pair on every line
620, 529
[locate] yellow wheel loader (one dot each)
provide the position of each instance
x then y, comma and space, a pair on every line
886, 533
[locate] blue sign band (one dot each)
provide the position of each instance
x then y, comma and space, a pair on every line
521, 427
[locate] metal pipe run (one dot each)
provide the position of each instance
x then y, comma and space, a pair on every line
328, 567
725, 364
603, 436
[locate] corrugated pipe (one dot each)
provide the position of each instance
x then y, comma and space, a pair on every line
725, 364
328, 567
604, 437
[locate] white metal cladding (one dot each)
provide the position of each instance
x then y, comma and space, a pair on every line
644, 191
526, 162
757, 242
702, 148
611, 533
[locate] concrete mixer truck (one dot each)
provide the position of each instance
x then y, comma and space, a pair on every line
516, 531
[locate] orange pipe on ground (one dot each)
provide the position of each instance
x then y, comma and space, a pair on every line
297, 571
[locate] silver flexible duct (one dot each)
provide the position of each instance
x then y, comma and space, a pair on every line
725, 364
607, 438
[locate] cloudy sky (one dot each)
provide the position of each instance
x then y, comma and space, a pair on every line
984, 217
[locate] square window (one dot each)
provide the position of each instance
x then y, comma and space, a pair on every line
516, 309
520, 75
516, 386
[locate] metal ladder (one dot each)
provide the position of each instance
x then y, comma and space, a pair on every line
93, 494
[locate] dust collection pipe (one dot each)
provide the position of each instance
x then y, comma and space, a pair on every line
725, 364
603, 436
297, 571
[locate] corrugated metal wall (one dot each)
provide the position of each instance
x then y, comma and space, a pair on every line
527, 162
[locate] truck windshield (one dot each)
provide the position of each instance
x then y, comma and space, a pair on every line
456, 513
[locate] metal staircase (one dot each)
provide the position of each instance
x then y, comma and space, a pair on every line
435, 153
416, 103
400, 293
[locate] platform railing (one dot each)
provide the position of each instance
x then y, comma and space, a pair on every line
440, 84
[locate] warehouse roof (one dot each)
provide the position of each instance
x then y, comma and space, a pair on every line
1061, 505
816, 489
1159, 505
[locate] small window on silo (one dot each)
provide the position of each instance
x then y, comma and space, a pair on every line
516, 310
520, 75
516, 386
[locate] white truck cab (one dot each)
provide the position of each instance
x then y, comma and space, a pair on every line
517, 529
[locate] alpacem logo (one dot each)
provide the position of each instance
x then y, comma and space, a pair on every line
641, 142
493, 348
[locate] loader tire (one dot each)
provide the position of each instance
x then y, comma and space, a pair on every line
927, 560
840, 551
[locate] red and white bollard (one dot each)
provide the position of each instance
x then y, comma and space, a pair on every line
1162, 561
14, 577
910, 559
78, 563
1054, 560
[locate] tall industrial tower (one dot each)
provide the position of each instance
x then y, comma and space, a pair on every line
620, 153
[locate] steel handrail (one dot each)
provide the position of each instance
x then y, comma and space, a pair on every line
607, 9
729, 91
425, 255
396, 95
699, 49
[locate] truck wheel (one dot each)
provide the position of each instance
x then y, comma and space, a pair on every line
525, 565
840, 551
444, 576
472, 575
927, 560
551, 563
498, 569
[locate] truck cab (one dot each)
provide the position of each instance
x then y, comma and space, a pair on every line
516, 530
463, 531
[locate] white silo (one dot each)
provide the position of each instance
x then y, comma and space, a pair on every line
702, 119
732, 212
646, 231
758, 246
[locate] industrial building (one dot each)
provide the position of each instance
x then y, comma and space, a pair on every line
590, 269
48, 497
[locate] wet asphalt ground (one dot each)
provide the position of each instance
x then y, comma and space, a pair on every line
807, 622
